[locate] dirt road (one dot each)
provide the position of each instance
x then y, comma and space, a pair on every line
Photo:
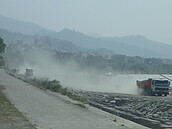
49, 111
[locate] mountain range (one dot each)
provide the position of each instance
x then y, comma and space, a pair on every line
72, 40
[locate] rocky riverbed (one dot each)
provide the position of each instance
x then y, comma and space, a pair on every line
151, 111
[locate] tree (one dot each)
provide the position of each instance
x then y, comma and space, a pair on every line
2, 45
2, 49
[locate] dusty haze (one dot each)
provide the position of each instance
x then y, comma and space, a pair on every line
71, 75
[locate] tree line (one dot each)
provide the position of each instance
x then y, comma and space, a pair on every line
2, 50
116, 63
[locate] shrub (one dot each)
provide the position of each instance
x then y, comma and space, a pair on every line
55, 86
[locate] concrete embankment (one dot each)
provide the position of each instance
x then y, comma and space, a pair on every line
52, 111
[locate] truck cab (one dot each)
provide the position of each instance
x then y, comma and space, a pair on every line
160, 87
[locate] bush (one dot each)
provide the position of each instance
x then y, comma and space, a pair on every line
55, 86
2, 45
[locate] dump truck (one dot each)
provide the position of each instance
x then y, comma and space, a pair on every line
153, 87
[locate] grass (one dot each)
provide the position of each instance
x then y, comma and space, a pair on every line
55, 86
11, 117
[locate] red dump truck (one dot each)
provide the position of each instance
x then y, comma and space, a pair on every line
154, 87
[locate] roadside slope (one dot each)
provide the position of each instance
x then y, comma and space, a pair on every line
48, 111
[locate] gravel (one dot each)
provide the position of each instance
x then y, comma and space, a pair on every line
158, 109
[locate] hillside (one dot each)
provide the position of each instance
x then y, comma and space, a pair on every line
14, 37
144, 43
42, 41
19, 26
128, 45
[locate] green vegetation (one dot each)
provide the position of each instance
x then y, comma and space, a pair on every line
10, 117
117, 63
2, 45
55, 86
2, 50
18, 54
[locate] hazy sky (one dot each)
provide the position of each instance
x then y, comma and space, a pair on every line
151, 18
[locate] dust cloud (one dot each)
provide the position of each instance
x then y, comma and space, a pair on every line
72, 76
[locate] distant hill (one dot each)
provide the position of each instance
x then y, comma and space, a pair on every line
128, 45
13, 25
13, 37
44, 41
143, 43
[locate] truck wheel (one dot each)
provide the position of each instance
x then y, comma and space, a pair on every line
165, 94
